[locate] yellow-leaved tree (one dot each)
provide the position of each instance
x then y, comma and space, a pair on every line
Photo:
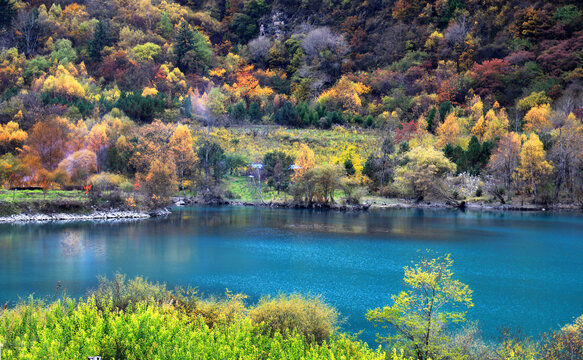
420, 313
538, 118
11, 137
182, 151
497, 124
345, 95
533, 166
305, 160
423, 172
449, 131
504, 160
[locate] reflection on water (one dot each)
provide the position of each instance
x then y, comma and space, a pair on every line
525, 269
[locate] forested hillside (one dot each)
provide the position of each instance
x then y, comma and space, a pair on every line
432, 99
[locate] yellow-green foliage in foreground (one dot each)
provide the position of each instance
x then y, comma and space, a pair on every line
140, 320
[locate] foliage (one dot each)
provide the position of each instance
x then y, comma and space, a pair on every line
533, 167
192, 49
137, 319
147, 51
181, 146
472, 160
160, 182
505, 158
99, 41
419, 314
305, 160
429, 73
538, 118
277, 169
566, 343
422, 172
7, 12
212, 159
317, 185
142, 108
79, 165
287, 314
119, 293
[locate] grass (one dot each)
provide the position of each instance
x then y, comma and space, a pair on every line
329, 146
243, 188
36, 195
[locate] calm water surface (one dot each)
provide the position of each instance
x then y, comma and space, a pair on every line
525, 269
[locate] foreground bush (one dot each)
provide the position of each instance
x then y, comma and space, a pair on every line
137, 319
308, 316
75, 330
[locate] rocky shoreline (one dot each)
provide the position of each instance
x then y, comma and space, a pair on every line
124, 215
110, 215
401, 204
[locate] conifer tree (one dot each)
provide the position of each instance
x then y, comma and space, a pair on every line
192, 49
7, 13
99, 40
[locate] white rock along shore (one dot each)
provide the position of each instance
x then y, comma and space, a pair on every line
98, 215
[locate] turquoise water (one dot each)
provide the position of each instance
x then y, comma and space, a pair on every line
525, 268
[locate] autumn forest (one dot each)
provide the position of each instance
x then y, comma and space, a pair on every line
437, 100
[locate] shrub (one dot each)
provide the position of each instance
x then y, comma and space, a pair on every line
222, 311
107, 181
120, 294
155, 328
310, 317
76, 330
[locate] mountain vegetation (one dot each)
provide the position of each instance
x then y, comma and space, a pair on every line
445, 100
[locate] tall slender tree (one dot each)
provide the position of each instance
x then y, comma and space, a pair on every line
192, 49
7, 13
99, 41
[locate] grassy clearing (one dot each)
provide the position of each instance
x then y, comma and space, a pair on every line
35, 195
243, 188
328, 145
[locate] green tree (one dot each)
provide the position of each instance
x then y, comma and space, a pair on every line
349, 167
7, 12
254, 112
276, 167
239, 112
212, 158
164, 26
192, 49
99, 41
422, 172
419, 314
63, 52
147, 51
286, 115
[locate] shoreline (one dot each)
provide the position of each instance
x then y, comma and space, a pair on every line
111, 215
120, 215
399, 204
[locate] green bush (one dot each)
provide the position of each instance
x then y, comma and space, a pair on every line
312, 318
120, 293
69, 329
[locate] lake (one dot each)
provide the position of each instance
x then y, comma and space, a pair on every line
525, 268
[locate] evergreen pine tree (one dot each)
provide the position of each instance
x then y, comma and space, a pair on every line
99, 40
184, 40
7, 13
192, 49
164, 26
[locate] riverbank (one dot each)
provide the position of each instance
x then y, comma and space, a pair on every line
380, 205
96, 215
120, 214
